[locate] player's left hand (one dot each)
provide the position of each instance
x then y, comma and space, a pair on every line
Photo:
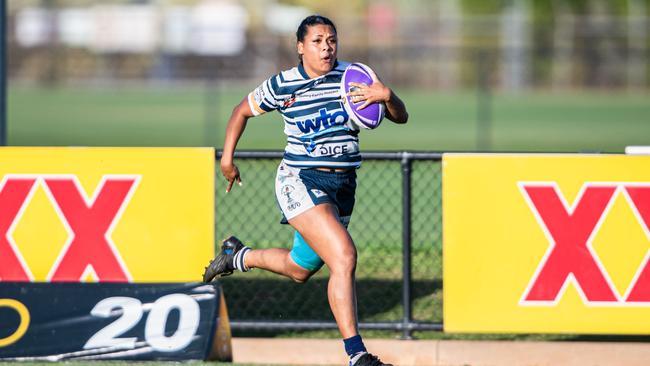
377, 92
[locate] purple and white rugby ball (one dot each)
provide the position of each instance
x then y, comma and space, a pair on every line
369, 117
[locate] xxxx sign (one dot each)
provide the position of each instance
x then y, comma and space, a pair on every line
569, 229
105, 214
546, 243
89, 248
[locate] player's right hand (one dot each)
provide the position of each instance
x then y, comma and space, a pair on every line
231, 173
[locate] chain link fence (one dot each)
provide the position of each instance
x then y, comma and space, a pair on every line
399, 242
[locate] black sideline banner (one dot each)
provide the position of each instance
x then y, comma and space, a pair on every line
111, 321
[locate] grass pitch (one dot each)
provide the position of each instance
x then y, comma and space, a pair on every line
183, 116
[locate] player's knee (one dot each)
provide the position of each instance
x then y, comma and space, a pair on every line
345, 262
300, 276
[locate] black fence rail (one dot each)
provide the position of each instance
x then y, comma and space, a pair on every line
396, 226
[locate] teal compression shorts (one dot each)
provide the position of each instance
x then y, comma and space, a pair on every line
304, 255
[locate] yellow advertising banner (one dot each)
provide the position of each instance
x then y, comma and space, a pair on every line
546, 243
105, 214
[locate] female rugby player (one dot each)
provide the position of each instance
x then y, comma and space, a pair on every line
316, 179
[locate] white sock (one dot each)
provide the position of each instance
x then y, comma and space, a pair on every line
238, 260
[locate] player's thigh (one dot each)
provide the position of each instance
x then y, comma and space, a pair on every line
323, 231
303, 255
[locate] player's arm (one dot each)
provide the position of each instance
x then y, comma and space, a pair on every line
377, 92
395, 108
235, 128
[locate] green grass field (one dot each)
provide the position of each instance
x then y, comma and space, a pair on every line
183, 116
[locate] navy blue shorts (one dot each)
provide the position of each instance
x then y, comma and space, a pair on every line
297, 190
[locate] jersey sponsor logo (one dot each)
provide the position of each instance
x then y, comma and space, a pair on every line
320, 93
323, 121
331, 150
570, 230
89, 249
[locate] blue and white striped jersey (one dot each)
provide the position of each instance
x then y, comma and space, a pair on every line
318, 130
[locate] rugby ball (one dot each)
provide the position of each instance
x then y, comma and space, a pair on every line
369, 117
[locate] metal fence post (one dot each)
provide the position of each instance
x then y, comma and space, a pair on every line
407, 319
3, 73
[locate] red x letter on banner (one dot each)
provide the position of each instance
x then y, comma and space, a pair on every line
570, 232
641, 199
12, 198
91, 223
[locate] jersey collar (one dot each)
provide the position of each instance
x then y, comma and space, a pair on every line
302, 71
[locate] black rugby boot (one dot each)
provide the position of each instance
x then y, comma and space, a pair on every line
368, 359
222, 264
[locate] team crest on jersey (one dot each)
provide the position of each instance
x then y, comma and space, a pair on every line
289, 102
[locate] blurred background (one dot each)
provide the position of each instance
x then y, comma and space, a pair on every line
525, 75
476, 75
